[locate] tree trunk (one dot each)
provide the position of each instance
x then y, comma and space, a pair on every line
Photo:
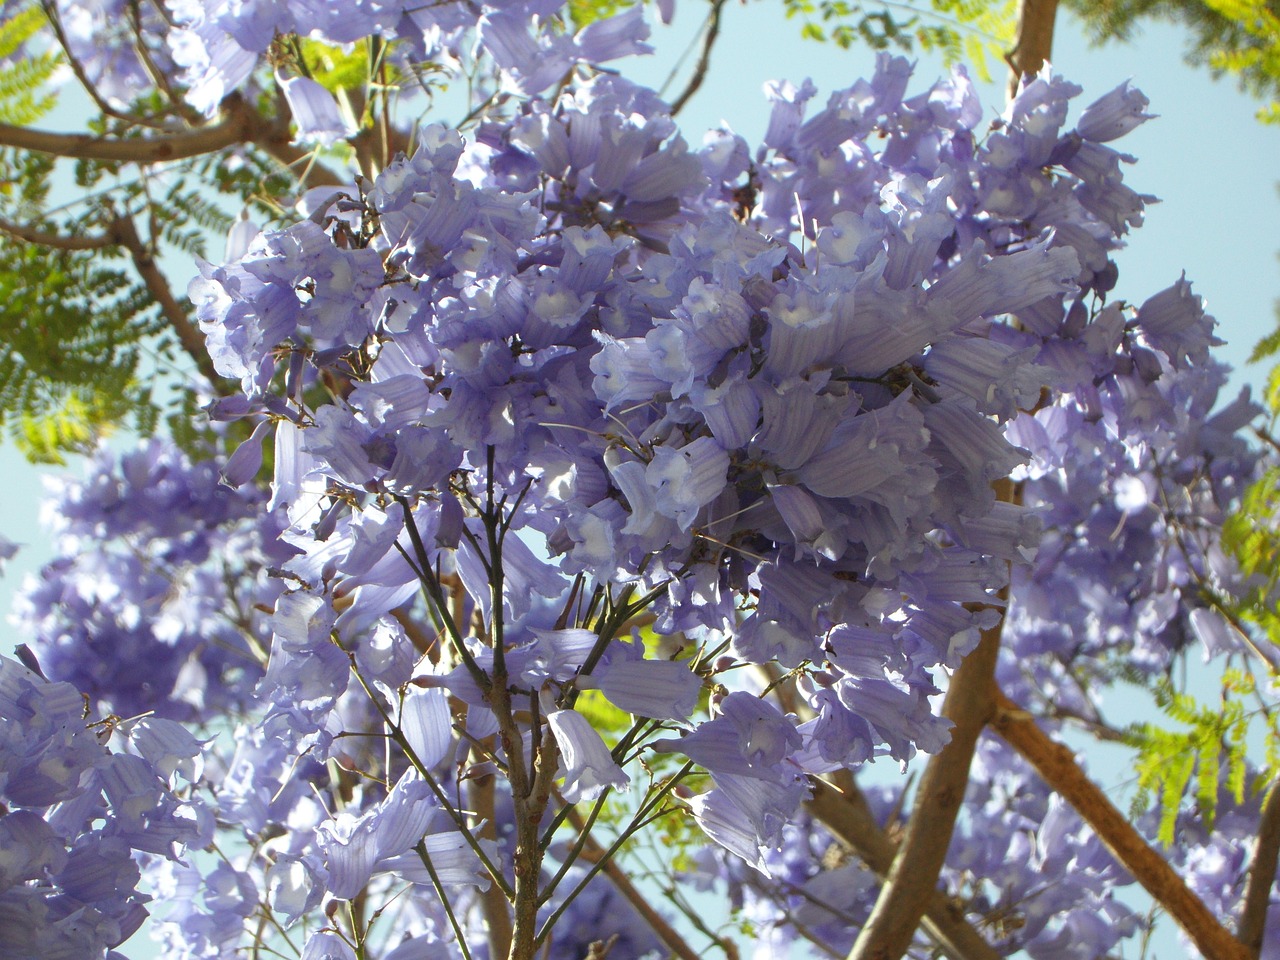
1033, 41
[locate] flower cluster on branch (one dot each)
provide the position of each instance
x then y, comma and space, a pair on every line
615, 479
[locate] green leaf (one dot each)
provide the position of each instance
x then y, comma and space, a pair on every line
75, 324
583, 12
23, 100
604, 716
335, 68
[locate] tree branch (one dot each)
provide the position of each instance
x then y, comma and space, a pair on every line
668, 934
704, 58
189, 336
238, 125
843, 810
1057, 766
58, 241
913, 880
1262, 874
124, 233
1033, 40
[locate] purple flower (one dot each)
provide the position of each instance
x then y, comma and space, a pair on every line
75, 815
687, 478
1114, 115
589, 768
314, 110
661, 689
750, 738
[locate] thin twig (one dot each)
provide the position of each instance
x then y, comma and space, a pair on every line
704, 59
77, 68
1057, 766
622, 883
638, 820
425, 856
154, 73
446, 803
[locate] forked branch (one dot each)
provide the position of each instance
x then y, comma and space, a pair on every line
842, 809
1057, 765
1033, 40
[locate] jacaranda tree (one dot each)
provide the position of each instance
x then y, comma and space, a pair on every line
579, 512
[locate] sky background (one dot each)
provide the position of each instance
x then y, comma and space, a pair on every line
1212, 164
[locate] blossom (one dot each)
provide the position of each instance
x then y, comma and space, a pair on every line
1114, 115
314, 111
75, 814
589, 768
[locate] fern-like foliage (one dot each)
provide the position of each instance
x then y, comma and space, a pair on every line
74, 322
69, 358
1239, 38
25, 95
1210, 743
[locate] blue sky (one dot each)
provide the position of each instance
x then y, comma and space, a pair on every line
1214, 167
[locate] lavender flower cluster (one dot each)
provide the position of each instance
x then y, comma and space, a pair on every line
158, 564
218, 50
768, 391
1130, 547
74, 815
764, 403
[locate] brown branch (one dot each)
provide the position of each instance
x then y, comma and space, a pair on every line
704, 59
481, 792
1033, 40
45, 238
189, 336
238, 125
1262, 874
1093, 725
913, 880
843, 810
668, 934
124, 233
1057, 766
